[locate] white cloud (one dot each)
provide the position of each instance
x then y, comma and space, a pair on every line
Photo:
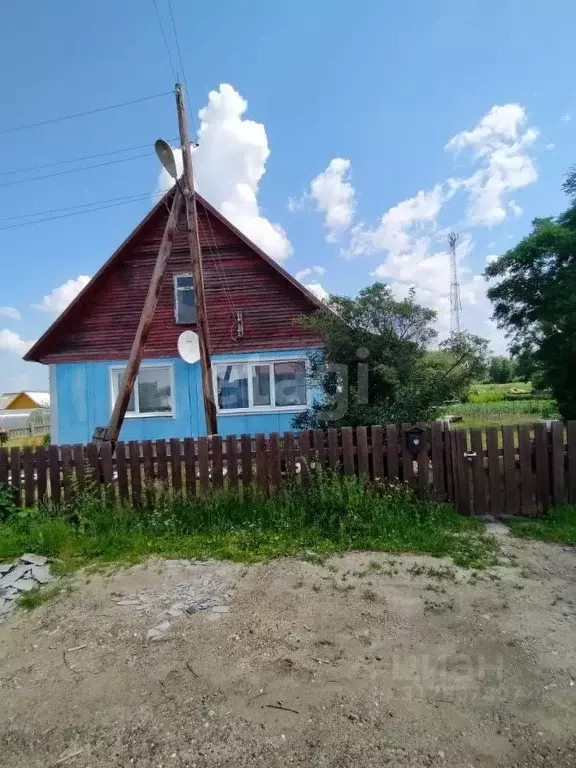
549, 146
318, 290
10, 312
13, 342
309, 271
499, 142
397, 231
566, 118
229, 165
58, 299
491, 259
516, 209
335, 197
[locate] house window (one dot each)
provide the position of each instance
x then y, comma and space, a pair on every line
184, 300
261, 386
152, 394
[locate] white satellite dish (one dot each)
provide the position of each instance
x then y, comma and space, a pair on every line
188, 347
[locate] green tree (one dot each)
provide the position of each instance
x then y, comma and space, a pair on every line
501, 370
376, 366
535, 300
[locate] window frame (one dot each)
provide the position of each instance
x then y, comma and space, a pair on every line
136, 413
178, 289
251, 364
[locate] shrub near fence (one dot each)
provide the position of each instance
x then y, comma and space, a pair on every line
509, 470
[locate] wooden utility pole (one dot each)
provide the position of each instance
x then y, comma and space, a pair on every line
197, 271
113, 430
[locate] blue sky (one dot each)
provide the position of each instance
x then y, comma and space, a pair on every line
379, 88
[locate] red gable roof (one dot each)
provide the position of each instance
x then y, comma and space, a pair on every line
101, 321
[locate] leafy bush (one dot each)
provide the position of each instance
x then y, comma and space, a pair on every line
7, 507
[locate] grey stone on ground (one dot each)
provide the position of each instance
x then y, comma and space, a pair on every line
41, 574
33, 559
27, 573
14, 575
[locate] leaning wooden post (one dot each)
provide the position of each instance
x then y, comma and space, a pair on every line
197, 271
123, 398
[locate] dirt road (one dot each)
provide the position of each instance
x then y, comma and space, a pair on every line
366, 660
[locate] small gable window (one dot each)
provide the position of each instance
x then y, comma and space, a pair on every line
184, 300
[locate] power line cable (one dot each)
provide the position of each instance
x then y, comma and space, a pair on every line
172, 67
141, 196
67, 215
84, 114
180, 59
75, 170
77, 159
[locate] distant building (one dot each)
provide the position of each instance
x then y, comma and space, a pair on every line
13, 401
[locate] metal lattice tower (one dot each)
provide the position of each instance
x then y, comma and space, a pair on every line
455, 303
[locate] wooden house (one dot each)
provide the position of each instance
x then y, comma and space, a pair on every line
258, 353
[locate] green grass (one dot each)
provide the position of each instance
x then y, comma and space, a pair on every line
36, 597
540, 408
333, 514
494, 420
559, 526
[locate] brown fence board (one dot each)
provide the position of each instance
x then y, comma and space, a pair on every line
362, 450
135, 472
541, 439
246, 448
161, 461
122, 470
512, 497
348, 450
261, 462
494, 475
408, 475
232, 461
66, 456
558, 485
423, 460
462, 469
438, 459
28, 469
93, 460
571, 440
148, 461
290, 454
333, 458
275, 468
3, 466
304, 456
40, 460
54, 473
318, 437
392, 453
203, 464
107, 464
478, 472
176, 465
217, 468
377, 452
190, 466
79, 464
526, 473
15, 474
149, 474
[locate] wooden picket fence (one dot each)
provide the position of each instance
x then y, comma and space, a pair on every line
507, 470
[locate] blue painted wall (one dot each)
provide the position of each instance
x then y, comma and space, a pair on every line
83, 402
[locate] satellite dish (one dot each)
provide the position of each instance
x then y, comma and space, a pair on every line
166, 156
188, 347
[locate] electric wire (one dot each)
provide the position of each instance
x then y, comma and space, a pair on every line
83, 114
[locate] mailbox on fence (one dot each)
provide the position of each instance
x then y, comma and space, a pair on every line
415, 439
